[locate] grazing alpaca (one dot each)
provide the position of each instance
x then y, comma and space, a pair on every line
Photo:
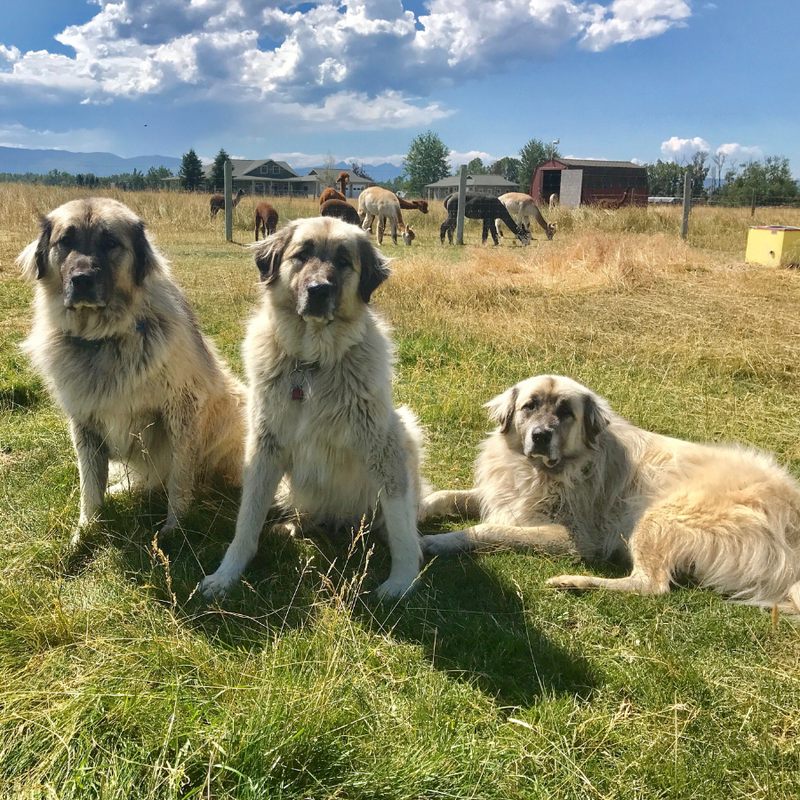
614, 204
343, 180
266, 220
330, 194
218, 202
522, 208
341, 210
419, 205
480, 206
381, 204
408, 235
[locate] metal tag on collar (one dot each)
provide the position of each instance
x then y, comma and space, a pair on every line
298, 378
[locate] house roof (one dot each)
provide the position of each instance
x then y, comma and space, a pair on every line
316, 171
473, 180
241, 166
596, 162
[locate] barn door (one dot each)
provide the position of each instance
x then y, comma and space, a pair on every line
571, 184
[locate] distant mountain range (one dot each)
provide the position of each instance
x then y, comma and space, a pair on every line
22, 160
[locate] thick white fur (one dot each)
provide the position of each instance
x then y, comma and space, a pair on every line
376, 202
522, 207
344, 451
728, 516
139, 382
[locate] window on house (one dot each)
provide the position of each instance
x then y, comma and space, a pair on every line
276, 170
264, 169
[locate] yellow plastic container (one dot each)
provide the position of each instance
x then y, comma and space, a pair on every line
773, 246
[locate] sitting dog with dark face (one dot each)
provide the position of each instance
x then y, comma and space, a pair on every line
122, 353
563, 474
324, 439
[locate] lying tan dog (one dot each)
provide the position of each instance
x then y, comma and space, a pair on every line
563, 474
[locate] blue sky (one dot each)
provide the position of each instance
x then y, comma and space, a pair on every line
641, 79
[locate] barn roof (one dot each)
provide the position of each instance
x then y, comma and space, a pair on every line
596, 162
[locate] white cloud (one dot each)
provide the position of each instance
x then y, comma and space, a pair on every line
678, 150
629, 20
738, 152
307, 160
457, 159
323, 62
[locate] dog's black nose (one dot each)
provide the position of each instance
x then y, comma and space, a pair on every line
320, 291
82, 281
541, 439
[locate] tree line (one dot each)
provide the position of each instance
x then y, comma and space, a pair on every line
136, 181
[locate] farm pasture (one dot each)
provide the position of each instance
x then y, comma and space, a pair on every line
117, 680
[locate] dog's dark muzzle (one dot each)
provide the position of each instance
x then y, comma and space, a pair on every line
320, 300
84, 285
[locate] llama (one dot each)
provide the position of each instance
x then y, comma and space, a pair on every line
331, 194
383, 204
480, 206
408, 235
522, 208
218, 202
340, 209
266, 220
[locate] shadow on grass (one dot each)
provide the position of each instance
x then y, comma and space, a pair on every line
469, 623
19, 397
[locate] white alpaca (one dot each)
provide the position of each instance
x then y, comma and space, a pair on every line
381, 204
522, 208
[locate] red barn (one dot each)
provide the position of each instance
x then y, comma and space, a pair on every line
588, 182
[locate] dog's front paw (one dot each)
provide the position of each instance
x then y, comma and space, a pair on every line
396, 588
215, 586
570, 582
442, 544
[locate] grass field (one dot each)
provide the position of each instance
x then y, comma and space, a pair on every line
117, 681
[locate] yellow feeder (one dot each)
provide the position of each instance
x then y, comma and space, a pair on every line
773, 245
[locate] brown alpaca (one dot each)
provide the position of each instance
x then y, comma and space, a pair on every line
419, 205
340, 209
614, 204
343, 180
218, 201
331, 194
266, 219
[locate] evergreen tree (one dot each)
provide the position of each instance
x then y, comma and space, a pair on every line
216, 180
532, 154
426, 162
191, 172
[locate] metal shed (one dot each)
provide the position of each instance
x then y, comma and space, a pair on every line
589, 182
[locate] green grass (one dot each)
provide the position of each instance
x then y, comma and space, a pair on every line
118, 681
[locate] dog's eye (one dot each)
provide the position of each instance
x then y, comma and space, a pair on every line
66, 240
109, 244
564, 411
531, 405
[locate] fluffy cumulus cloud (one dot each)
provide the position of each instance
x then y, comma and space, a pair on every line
738, 152
676, 149
367, 62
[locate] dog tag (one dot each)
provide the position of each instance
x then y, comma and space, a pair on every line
297, 393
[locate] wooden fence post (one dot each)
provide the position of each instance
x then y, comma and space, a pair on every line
228, 172
753, 205
687, 201
462, 194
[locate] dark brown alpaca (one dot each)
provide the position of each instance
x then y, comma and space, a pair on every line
614, 204
331, 194
266, 219
419, 205
218, 201
340, 209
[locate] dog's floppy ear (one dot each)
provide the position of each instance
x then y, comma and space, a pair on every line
374, 269
33, 260
596, 417
146, 259
501, 408
269, 253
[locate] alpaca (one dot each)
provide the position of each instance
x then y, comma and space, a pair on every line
343, 180
480, 206
218, 202
340, 209
408, 235
611, 205
331, 194
522, 207
383, 204
266, 220
553, 203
